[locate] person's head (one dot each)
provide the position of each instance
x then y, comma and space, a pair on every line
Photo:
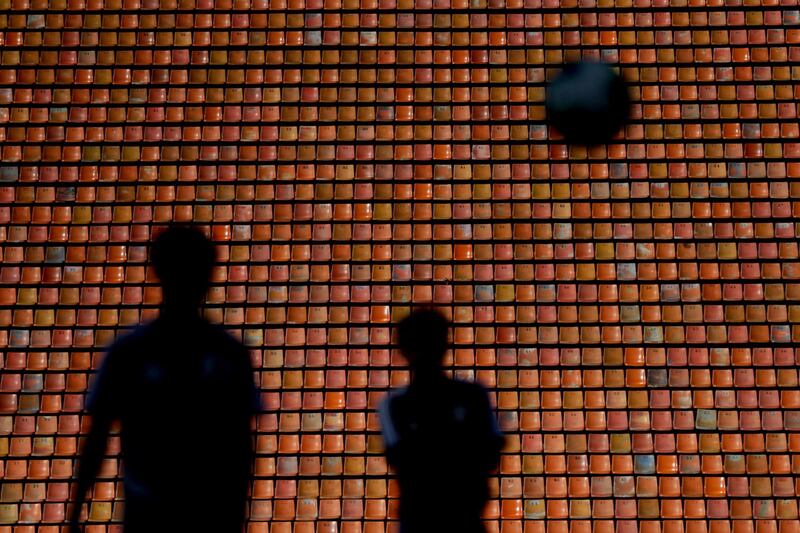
183, 258
422, 337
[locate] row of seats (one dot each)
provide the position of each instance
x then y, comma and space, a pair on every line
753, 388
359, 336
280, 512
548, 173
402, 14
548, 359
599, 525
149, 154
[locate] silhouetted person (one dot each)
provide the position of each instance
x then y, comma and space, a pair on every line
184, 394
440, 434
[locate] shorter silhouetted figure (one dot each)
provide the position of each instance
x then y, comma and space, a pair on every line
440, 434
183, 392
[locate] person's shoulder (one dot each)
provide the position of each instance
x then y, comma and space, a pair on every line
467, 385
224, 335
471, 389
122, 355
394, 395
225, 342
132, 338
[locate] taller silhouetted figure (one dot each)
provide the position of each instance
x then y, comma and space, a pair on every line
440, 434
184, 394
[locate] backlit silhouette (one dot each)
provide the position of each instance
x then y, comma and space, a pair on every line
183, 392
440, 434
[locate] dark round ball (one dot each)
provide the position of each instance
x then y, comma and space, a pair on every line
588, 103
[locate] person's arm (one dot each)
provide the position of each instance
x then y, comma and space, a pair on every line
494, 437
101, 404
255, 408
389, 433
91, 458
